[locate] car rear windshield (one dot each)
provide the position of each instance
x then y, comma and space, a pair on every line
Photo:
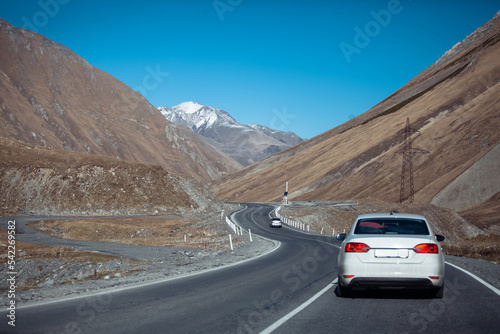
391, 226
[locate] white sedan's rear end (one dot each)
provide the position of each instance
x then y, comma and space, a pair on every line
276, 222
391, 251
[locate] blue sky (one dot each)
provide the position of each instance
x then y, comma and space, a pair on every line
304, 66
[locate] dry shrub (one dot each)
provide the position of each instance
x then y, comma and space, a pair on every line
481, 247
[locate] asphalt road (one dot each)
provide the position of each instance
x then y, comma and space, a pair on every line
287, 291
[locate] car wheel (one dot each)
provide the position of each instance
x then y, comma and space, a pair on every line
344, 291
437, 292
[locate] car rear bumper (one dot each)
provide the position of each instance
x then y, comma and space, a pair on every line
394, 272
390, 283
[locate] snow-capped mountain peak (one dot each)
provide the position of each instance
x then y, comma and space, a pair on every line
189, 107
194, 115
244, 143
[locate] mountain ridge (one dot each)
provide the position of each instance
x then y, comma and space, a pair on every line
454, 106
246, 144
52, 97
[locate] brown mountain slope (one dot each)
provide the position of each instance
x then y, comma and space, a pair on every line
486, 215
455, 105
51, 97
44, 181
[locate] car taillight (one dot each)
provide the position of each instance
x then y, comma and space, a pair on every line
426, 248
356, 247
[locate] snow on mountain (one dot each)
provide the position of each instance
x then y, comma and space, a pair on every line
189, 107
285, 137
244, 143
194, 115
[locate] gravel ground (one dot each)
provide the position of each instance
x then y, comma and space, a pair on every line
55, 279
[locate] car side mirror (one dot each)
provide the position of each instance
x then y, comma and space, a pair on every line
439, 237
340, 236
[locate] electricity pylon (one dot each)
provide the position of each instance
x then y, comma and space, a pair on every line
408, 152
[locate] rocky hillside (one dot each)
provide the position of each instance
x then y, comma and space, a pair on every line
40, 181
51, 97
244, 143
453, 107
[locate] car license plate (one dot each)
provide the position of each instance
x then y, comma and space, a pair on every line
395, 253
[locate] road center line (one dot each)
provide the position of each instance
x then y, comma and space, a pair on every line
297, 310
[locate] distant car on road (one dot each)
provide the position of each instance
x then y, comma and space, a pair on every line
391, 251
276, 222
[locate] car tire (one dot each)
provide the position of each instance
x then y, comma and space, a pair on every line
344, 291
437, 292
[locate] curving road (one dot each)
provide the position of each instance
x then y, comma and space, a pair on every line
290, 290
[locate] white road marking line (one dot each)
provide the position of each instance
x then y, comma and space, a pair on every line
287, 317
297, 310
486, 284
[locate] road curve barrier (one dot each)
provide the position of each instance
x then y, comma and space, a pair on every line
291, 223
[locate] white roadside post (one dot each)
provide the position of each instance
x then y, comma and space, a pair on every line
230, 242
285, 195
250, 234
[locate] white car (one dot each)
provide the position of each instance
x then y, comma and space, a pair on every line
276, 222
391, 251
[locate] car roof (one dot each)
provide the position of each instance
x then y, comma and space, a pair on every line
389, 216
